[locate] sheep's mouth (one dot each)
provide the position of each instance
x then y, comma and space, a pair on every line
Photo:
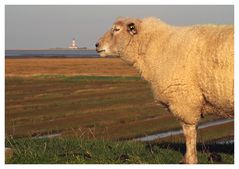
100, 51
103, 53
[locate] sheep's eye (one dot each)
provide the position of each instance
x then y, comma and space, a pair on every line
131, 27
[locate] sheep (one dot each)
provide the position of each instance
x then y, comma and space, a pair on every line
190, 68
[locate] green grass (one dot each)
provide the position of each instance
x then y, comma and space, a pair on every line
82, 151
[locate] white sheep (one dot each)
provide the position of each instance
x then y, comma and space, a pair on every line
190, 69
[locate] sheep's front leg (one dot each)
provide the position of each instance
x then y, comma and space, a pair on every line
190, 134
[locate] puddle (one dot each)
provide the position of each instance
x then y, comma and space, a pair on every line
48, 136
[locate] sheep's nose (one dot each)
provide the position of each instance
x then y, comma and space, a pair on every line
97, 44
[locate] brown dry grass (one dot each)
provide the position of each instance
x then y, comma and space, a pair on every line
68, 66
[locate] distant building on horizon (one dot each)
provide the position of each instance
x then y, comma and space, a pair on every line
73, 44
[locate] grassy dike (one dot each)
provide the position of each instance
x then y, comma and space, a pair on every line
82, 151
88, 110
98, 106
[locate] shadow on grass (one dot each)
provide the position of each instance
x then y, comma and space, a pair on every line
201, 147
210, 152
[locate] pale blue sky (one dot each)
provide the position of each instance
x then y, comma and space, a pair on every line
49, 26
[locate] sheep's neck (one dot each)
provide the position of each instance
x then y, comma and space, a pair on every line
135, 53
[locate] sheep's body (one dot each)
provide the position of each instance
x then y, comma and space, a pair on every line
190, 69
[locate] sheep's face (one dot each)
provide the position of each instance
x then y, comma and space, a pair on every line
118, 38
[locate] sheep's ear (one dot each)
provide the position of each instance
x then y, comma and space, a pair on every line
131, 28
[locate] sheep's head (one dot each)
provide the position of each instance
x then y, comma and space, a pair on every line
115, 41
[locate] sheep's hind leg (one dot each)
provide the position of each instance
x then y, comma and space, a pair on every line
190, 134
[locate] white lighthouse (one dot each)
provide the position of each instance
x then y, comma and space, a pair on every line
73, 44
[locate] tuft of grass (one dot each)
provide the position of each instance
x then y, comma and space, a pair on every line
82, 151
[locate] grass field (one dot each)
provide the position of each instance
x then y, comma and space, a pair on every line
80, 151
105, 106
88, 99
